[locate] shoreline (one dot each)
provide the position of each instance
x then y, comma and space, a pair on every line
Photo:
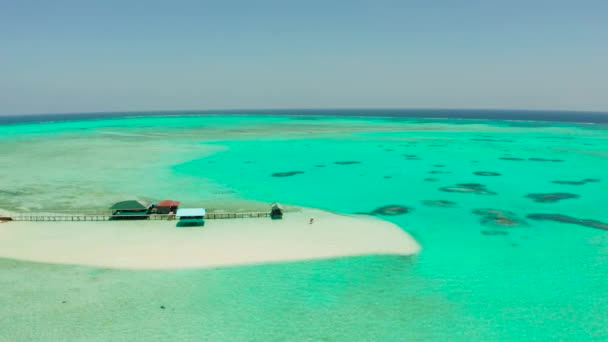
224, 242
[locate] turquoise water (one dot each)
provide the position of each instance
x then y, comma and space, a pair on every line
539, 280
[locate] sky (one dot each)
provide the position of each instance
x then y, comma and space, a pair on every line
97, 56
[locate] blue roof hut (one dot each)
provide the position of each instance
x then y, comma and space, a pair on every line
189, 217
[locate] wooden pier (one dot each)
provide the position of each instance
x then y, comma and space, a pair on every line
252, 214
106, 217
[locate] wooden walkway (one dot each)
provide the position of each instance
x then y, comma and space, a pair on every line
107, 217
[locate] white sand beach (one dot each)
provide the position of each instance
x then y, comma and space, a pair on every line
231, 242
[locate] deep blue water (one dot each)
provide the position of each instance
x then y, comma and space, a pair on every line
491, 114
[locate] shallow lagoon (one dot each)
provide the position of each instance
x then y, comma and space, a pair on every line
542, 279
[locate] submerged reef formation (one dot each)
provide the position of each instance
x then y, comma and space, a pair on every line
551, 197
494, 232
533, 159
582, 182
468, 188
559, 138
11, 193
498, 218
320, 165
569, 219
486, 173
347, 162
391, 210
440, 203
286, 174
430, 179
491, 139
433, 172
512, 158
546, 160
306, 118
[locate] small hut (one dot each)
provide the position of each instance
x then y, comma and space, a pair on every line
167, 206
130, 209
191, 217
276, 211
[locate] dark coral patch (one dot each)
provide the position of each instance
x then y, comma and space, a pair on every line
387, 177
582, 182
527, 124
347, 162
560, 138
468, 188
439, 165
568, 219
494, 232
551, 197
320, 165
512, 158
391, 210
410, 155
440, 204
431, 179
489, 139
486, 173
501, 218
435, 172
305, 118
546, 160
286, 174
11, 193
473, 185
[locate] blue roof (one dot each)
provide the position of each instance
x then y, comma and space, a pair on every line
187, 212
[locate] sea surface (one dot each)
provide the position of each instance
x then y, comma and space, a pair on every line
511, 215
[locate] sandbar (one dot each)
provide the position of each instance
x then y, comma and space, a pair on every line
220, 243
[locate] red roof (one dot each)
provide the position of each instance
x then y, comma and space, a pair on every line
168, 203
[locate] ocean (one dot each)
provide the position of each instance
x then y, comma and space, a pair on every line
509, 209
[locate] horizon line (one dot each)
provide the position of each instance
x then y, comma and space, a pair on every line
259, 110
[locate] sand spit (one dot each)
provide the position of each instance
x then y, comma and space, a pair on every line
160, 245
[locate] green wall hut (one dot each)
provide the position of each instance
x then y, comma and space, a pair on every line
130, 209
276, 211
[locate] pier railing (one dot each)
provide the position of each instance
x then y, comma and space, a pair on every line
237, 215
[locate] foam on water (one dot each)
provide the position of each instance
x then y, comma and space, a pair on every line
538, 280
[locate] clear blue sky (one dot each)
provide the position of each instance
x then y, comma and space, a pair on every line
80, 56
